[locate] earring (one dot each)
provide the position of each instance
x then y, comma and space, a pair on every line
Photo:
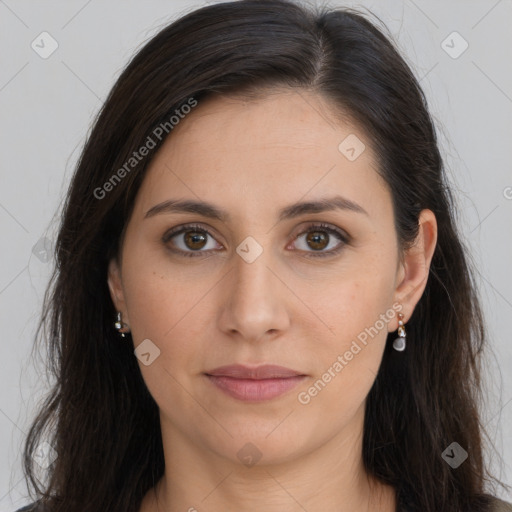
399, 343
121, 327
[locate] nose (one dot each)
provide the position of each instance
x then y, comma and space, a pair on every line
255, 301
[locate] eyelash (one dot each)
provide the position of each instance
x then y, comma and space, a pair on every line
313, 227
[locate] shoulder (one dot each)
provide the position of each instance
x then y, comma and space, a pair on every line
33, 507
498, 505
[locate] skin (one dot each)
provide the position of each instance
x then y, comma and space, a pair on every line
251, 158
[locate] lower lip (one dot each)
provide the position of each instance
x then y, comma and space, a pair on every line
253, 390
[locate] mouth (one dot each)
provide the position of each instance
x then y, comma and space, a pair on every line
254, 384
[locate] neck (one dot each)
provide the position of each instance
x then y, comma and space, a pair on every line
329, 479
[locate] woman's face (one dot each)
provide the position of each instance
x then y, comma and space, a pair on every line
312, 289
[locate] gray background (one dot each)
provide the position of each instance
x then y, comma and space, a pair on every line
48, 105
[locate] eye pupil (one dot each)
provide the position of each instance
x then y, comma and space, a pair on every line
319, 239
195, 237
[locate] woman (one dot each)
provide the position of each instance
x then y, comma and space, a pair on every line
269, 308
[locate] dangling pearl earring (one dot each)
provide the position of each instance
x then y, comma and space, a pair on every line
399, 343
121, 327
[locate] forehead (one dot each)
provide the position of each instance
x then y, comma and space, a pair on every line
277, 118
277, 148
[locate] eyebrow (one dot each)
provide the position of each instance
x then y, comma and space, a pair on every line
291, 211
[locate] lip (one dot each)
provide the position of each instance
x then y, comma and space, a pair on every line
265, 371
254, 384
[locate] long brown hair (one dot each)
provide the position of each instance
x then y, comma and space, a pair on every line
100, 417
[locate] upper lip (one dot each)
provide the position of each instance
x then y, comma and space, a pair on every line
266, 371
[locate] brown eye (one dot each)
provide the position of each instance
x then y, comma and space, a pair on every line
195, 239
190, 241
317, 238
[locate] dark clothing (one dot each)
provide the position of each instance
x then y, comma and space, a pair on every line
498, 506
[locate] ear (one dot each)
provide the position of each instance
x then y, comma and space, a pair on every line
116, 288
414, 270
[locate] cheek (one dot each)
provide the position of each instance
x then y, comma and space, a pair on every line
155, 302
347, 360
356, 307
147, 298
170, 309
357, 326
353, 299
166, 312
